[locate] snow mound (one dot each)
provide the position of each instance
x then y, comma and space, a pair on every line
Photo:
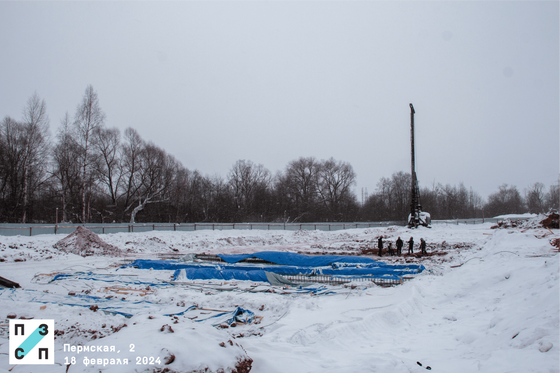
172, 344
533, 221
86, 243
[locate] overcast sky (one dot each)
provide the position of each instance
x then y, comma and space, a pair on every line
215, 82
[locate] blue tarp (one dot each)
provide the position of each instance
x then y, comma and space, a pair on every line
294, 259
239, 315
259, 275
122, 307
113, 306
282, 263
106, 278
213, 273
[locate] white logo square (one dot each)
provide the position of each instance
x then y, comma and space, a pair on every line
31, 342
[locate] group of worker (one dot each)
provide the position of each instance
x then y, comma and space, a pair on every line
391, 251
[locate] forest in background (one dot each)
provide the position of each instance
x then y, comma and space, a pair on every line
91, 173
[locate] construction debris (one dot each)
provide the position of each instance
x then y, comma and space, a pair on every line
4, 282
556, 243
86, 243
509, 223
551, 221
126, 291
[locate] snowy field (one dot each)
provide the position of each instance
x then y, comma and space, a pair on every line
488, 301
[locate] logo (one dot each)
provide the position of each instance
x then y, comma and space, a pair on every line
31, 342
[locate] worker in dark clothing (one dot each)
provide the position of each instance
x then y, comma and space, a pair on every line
380, 245
390, 249
399, 246
423, 246
411, 246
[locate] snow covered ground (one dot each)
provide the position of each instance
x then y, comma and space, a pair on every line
488, 301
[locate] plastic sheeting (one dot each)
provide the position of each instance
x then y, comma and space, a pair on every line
217, 317
281, 263
294, 259
126, 308
206, 273
121, 279
113, 306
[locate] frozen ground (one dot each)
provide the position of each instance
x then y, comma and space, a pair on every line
487, 302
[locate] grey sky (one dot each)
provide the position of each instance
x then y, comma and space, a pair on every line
214, 82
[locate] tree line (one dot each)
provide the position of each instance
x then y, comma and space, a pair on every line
92, 173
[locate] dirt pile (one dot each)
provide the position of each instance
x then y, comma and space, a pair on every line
86, 243
508, 223
551, 221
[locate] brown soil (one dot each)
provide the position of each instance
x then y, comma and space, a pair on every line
508, 223
243, 365
86, 243
551, 221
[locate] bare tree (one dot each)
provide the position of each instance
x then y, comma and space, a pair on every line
385, 194
36, 128
301, 180
131, 163
108, 166
245, 179
400, 191
535, 198
88, 119
475, 204
155, 177
178, 192
553, 198
65, 168
449, 201
335, 181
12, 154
506, 201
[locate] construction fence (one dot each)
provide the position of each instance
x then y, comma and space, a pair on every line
67, 228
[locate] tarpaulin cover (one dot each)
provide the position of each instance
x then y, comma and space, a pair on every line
280, 263
105, 278
214, 273
115, 306
238, 316
126, 308
294, 259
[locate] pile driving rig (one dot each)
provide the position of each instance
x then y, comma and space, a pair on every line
417, 216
